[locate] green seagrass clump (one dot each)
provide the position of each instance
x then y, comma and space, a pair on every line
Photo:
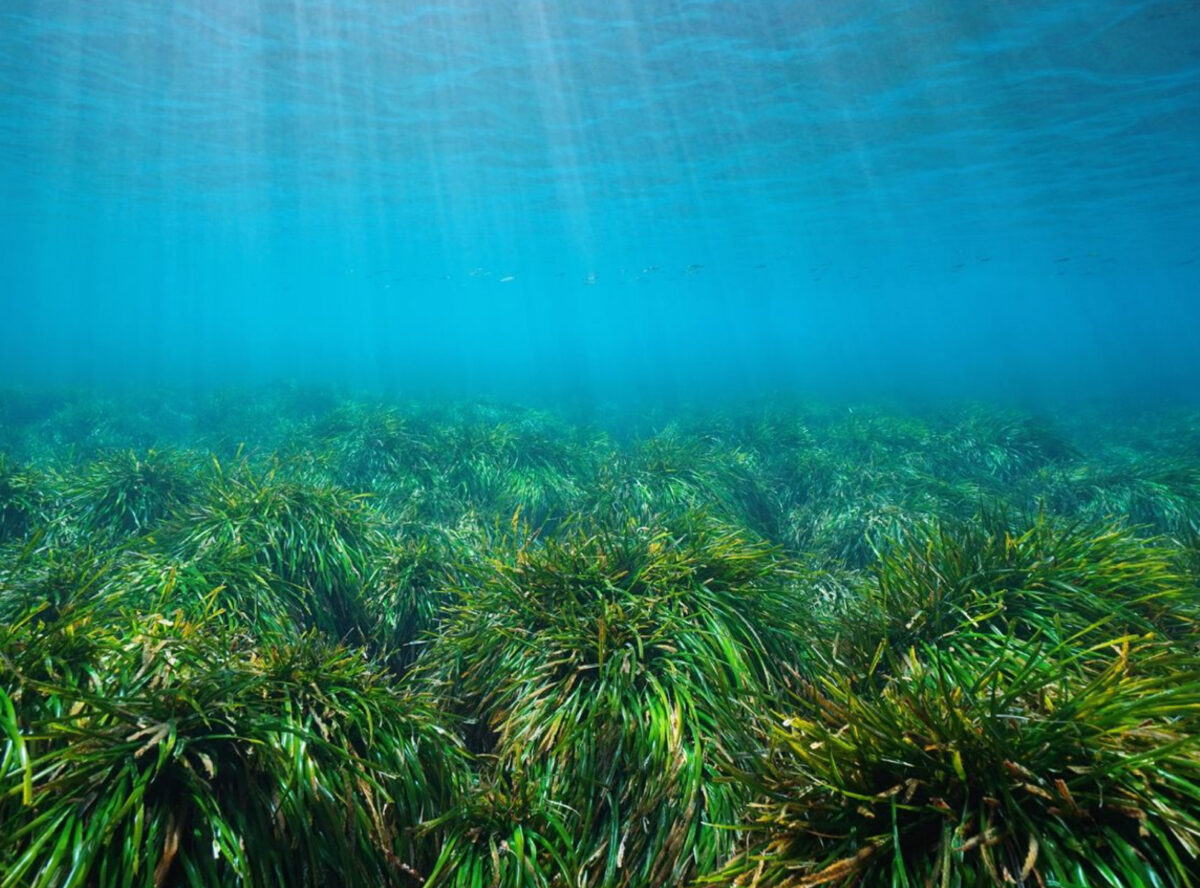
1060, 582
611, 673
166, 751
1160, 494
672, 474
126, 493
315, 544
25, 500
985, 761
366, 446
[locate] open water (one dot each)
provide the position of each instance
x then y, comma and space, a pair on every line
597, 197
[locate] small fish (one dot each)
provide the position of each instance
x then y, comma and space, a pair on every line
591, 279
508, 278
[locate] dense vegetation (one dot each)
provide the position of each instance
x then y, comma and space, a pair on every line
291, 639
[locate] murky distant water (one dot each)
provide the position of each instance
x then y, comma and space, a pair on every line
677, 195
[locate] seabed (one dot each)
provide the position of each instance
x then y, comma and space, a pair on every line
291, 638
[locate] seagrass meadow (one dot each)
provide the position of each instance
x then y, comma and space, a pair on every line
295, 637
599, 444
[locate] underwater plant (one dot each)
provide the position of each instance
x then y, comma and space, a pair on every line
41, 580
368, 445
504, 835
474, 645
671, 474
1047, 579
231, 422
612, 672
83, 426
316, 542
125, 493
24, 500
1159, 494
847, 515
183, 753
406, 594
986, 761
1002, 446
225, 585
528, 463
54, 614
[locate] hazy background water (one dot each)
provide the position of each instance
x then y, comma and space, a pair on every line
993, 199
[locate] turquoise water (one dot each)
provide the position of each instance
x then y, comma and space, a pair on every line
623, 444
996, 199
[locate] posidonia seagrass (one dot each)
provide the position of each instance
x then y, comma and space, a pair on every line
293, 639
